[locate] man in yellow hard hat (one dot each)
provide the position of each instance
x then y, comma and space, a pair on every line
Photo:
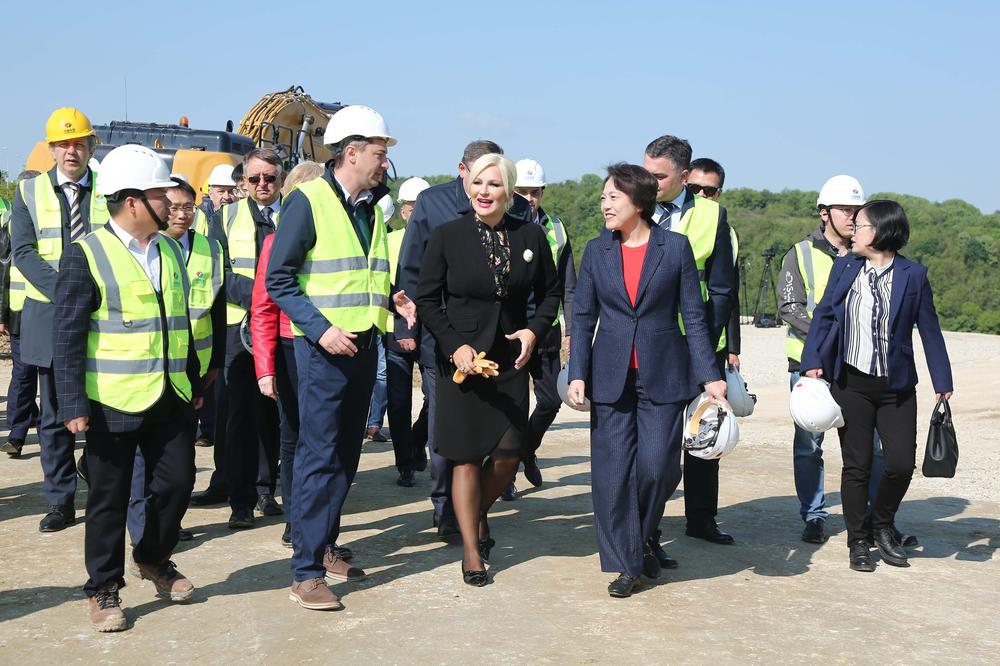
51, 211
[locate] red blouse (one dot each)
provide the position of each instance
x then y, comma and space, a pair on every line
632, 258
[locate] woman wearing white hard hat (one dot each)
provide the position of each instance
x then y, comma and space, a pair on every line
639, 372
861, 340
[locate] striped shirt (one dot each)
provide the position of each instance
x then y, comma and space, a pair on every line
867, 320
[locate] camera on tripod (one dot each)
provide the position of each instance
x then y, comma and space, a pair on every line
765, 314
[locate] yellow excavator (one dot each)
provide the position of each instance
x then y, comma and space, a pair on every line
291, 122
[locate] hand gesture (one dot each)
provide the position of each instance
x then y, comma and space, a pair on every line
405, 307
528, 340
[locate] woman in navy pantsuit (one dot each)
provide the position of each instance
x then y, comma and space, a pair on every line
639, 371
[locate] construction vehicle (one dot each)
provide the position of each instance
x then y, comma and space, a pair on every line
290, 122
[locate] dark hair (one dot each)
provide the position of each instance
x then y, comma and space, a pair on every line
238, 173
266, 154
636, 183
888, 220
678, 151
339, 149
709, 165
28, 173
477, 149
184, 186
116, 201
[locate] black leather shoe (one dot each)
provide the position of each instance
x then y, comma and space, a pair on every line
268, 506
184, 535
509, 493
208, 497
861, 560
650, 565
241, 519
12, 447
890, 549
286, 536
531, 471
624, 586
814, 532
447, 528
709, 532
58, 518
905, 540
475, 577
406, 479
420, 461
664, 560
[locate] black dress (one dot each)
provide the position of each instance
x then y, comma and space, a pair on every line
474, 288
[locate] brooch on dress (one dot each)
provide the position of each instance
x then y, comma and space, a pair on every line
528, 256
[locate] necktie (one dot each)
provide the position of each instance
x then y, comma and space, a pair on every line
668, 213
267, 215
76, 227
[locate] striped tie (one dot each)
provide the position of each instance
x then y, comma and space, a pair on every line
76, 226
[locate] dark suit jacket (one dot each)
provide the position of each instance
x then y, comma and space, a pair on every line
911, 303
37, 317
456, 273
238, 289
672, 364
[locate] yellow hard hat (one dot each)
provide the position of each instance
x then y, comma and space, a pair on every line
67, 123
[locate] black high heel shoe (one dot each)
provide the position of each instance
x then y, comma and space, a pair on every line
475, 578
485, 545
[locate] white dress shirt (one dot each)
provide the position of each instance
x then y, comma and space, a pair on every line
149, 259
63, 181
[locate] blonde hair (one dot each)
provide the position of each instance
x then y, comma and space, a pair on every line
508, 173
300, 173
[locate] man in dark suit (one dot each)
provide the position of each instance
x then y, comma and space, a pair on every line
705, 224
51, 211
435, 206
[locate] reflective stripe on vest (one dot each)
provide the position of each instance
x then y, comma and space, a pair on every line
45, 209
204, 270
700, 224
555, 233
241, 236
125, 365
814, 267
348, 288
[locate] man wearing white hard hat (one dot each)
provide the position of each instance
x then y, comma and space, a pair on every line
128, 377
221, 189
545, 362
329, 272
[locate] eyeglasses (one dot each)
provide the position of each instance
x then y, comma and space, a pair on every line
706, 190
255, 180
862, 226
182, 208
846, 210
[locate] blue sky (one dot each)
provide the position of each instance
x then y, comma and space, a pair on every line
905, 96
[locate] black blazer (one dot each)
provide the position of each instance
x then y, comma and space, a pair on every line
455, 272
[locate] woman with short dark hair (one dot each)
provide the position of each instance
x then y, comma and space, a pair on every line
861, 340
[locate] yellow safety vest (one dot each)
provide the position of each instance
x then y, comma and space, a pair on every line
814, 267
200, 223
204, 270
350, 289
126, 368
395, 240
46, 216
555, 233
15, 282
241, 236
700, 224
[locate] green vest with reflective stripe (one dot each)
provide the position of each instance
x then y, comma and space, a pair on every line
241, 235
350, 289
200, 223
814, 267
700, 224
555, 233
126, 368
15, 283
46, 216
395, 240
204, 270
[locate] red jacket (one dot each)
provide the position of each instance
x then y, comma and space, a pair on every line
267, 322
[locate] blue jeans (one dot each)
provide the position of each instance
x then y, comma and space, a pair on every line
380, 394
807, 452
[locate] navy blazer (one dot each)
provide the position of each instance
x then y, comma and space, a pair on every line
671, 364
911, 303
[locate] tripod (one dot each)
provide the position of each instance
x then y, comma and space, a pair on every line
765, 315
742, 267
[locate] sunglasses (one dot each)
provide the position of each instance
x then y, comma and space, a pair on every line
706, 190
255, 180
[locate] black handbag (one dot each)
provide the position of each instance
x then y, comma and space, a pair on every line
941, 456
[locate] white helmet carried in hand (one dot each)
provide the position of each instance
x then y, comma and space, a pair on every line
410, 188
710, 430
841, 191
357, 120
739, 397
388, 208
529, 174
132, 167
562, 385
812, 407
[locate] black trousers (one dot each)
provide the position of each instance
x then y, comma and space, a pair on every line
544, 369
701, 477
409, 439
868, 405
287, 378
166, 439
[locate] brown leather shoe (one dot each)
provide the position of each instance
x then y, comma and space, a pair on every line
375, 434
106, 610
338, 569
314, 595
168, 580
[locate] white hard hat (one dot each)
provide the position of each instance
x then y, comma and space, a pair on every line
841, 191
812, 407
94, 164
710, 429
529, 174
562, 386
410, 188
132, 167
357, 120
388, 208
179, 176
222, 175
739, 397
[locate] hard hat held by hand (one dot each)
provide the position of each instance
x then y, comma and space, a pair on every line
739, 397
132, 167
67, 123
529, 174
710, 428
812, 407
357, 120
841, 191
